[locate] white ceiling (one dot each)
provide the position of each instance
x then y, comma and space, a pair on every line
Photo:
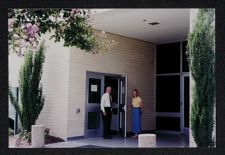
174, 23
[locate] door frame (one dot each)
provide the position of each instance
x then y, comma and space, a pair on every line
183, 129
123, 98
101, 75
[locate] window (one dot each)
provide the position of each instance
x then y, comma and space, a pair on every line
168, 58
168, 93
94, 93
168, 123
185, 65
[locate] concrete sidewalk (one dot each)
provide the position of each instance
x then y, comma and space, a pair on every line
162, 140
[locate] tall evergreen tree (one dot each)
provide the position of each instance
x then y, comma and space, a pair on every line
31, 99
201, 57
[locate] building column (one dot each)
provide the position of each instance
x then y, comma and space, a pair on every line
193, 15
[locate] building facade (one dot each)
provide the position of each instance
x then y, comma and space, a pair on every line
65, 79
73, 82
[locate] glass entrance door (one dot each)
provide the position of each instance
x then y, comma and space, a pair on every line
113, 82
94, 91
118, 85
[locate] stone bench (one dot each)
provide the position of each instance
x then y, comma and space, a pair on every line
147, 140
37, 136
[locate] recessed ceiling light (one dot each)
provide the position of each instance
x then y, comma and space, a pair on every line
154, 23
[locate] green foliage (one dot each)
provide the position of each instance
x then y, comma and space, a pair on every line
10, 132
201, 57
72, 26
25, 135
47, 130
31, 99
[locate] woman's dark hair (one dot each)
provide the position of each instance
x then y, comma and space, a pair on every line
136, 92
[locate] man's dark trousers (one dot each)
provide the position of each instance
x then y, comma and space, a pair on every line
107, 121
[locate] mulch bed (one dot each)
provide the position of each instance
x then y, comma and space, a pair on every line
25, 144
51, 139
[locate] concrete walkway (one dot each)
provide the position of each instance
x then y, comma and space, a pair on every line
162, 140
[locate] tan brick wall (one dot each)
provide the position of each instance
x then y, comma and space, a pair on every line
55, 81
132, 57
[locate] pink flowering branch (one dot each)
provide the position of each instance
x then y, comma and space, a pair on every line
73, 26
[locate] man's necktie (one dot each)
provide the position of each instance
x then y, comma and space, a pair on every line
110, 99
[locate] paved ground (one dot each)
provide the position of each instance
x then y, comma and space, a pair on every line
162, 140
21, 144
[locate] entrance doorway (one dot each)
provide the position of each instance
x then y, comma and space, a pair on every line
95, 88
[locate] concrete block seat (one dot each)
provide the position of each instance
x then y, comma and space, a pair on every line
147, 140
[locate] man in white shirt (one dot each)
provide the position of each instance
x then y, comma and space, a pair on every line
106, 108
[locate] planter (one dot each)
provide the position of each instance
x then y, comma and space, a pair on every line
37, 136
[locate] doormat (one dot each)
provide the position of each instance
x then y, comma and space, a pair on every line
91, 146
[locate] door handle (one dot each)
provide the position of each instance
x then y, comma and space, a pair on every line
125, 108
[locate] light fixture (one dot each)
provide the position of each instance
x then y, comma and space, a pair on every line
153, 23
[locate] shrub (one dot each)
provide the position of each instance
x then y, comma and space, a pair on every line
31, 99
47, 131
10, 132
25, 135
201, 57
